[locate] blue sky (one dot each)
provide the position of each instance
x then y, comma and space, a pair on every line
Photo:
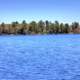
61, 10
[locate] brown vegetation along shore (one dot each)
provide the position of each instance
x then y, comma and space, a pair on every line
40, 27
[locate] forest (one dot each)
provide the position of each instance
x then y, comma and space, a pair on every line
40, 27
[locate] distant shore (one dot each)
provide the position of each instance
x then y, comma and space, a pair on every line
41, 27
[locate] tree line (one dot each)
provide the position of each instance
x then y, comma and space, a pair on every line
41, 27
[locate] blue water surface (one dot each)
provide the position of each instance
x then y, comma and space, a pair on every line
40, 57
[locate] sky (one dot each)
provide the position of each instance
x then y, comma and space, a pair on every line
66, 11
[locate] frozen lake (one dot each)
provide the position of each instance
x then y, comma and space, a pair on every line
47, 57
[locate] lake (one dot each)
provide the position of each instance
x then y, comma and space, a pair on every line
40, 57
